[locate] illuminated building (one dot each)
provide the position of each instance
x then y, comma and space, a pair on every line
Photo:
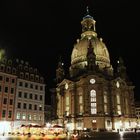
137, 109
93, 95
8, 81
22, 93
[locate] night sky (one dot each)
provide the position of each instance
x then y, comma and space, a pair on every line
41, 31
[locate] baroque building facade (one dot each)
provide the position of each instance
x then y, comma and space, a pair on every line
93, 95
137, 109
22, 95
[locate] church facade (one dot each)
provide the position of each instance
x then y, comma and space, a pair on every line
93, 95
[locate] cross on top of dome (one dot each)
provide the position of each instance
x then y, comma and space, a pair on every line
87, 14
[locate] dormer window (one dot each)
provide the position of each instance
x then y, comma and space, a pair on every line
4, 61
30, 69
14, 71
21, 75
26, 68
8, 69
32, 77
9, 62
2, 67
41, 79
26, 75
35, 71
20, 67
37, 78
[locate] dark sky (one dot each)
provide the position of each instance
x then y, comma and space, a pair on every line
40, 31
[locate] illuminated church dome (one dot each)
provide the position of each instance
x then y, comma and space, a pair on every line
79, 53
91, 96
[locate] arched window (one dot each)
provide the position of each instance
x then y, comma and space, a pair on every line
118, 104
105, 103
67, 106
93, 101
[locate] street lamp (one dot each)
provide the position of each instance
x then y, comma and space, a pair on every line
48, 125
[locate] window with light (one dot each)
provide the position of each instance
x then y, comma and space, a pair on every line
24, 116
94, 121
105, 98
80, 99
118, 99
35, 117
29, 117
105, 109
93, 102
67, 105
119, 109
67, 100
80, 104
18, 116
105, 102
118, 104
81, 108
40, 118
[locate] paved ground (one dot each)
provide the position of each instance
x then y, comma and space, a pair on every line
111, 136
92, 136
